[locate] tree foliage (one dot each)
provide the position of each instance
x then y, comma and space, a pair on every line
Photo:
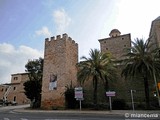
98, 67
33, 86
71, 102
140, 61
32, 89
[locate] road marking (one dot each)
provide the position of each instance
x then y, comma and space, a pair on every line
60, 119
44, 119
13, 112
24, 119
6, 119
20, 119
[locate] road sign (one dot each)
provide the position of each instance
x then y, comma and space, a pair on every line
110, 93
78, 93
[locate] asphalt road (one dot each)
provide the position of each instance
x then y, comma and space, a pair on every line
20, 113
13, 115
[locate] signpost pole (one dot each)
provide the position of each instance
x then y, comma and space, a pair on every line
110, 94
80, 107
110, 103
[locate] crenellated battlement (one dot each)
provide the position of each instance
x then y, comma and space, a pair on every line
59, 37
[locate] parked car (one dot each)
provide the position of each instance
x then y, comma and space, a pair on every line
1, 101
7, 102
13, 103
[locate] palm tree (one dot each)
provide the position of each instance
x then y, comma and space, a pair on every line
97, 67
140, 61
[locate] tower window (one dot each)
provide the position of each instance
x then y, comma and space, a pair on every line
15, 78
14, 99
14, 88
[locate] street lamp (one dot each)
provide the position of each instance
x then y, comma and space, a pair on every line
132, 98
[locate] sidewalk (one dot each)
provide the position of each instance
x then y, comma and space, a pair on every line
113, 112
22, 108
120, 112
4, 108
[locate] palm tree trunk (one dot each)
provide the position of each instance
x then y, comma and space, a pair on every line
95, 91
106, 85
146, 92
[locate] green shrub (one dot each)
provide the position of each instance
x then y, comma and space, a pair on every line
119, 104
154, 103
71, 102
91, 106
140, 106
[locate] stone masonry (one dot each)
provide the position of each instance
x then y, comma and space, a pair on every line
60, 59
16, 92
154, 32
115, 43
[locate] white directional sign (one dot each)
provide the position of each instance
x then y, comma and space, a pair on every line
110, 93
78, 93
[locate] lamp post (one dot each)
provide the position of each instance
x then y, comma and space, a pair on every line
132, 98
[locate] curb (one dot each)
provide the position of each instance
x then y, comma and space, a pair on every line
113, 112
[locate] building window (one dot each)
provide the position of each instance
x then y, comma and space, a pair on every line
104, 41
106, 48
122, 38
124, 45
14, 99
2, 90
15, 78
14, 88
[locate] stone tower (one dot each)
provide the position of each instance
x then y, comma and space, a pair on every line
115, 43
154, 32
60, 59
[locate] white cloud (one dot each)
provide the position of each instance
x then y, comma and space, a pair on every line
135, 16
62, 20
13, 60
43, 31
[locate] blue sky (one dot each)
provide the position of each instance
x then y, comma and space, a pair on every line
26, 23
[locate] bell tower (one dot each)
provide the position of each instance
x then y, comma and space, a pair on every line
115, 43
